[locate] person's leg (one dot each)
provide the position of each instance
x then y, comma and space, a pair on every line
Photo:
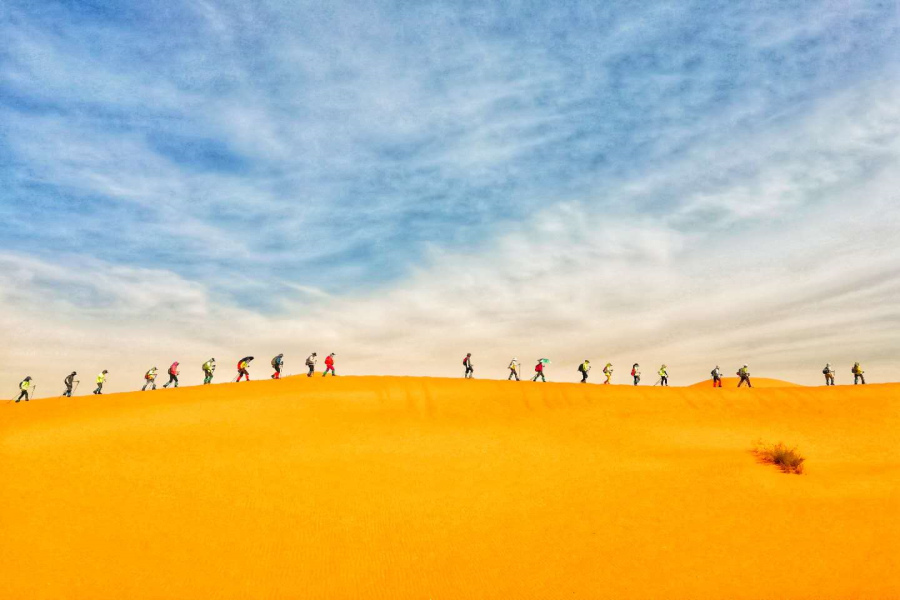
863, 377
24, 394
535, 377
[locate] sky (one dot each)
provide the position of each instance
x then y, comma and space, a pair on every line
688, 183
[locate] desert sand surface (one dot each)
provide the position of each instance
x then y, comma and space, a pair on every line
363, 487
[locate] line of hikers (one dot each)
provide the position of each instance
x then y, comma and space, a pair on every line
27, 386
743, 373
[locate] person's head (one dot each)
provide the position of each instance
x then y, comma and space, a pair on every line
468, 354
74, 373
28, 378
105, 371
314, 354
635, 366
745, 366
212, 360
514, 358
332, 354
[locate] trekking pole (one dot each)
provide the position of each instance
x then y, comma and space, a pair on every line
657, 383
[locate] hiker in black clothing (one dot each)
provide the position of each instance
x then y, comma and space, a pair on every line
470, 368
70, 382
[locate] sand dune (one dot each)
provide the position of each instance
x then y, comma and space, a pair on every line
433, 488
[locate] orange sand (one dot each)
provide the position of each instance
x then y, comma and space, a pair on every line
433, 488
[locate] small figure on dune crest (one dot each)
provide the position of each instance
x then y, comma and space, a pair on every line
101, 379
608, 371
470, 368
539, 369
744, 374
69, 383
828, 372
717, 376
277, 363
858, 374
583, 368
209, 368
150, 379
242, 368
24, 386
173, 375
636, 373
329, 365
663, 376
513, 369
311, 363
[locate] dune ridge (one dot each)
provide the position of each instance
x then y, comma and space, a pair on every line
440, 488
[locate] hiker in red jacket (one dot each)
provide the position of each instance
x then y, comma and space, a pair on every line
329, 365
173, 375
539, 371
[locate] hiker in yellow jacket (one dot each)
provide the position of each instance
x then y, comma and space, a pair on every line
25, 385
101, 379
744, 374
664, 376
608, 371
858, 374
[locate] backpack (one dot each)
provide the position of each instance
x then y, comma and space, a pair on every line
633, 372
825, 371
275, 362
173, 368
713, 373
854, 370
466, 361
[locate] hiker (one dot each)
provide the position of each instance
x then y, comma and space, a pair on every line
608, 371
717, 376
583, 368
311, 363
101, 379
470, 368
173, 375
277, 363
150, 379
69, 382
539, 370
209, 367
636, 373
329, 365
25, 385
663, 376
513, 370
828, 372
858, 374
744, 374
242, 367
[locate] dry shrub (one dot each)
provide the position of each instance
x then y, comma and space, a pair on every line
787, 458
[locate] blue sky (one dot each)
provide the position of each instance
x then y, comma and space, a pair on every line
213, 164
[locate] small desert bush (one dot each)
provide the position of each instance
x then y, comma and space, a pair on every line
787, 458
